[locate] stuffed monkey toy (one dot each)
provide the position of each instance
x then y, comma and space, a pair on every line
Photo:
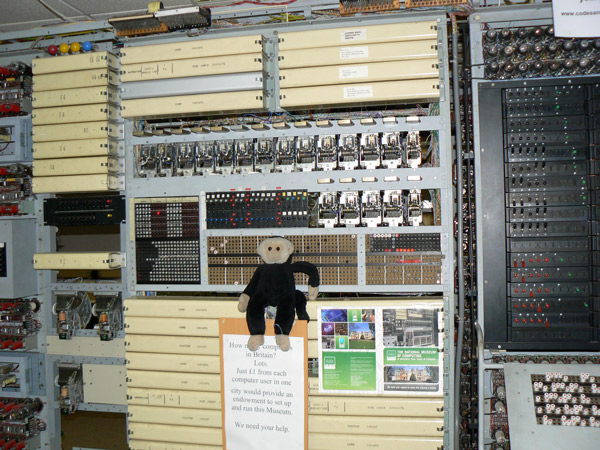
273, 285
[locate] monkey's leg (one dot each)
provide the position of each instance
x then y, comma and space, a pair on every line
284, 320
255, 318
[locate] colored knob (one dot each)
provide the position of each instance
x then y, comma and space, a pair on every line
87, 46
52, 49
75, 47
64, 48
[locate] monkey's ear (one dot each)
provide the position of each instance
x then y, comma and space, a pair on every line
261, 250
290, 247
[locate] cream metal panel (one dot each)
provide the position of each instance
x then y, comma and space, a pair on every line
200, 48
313, 348
172, 327
376, 406
81, 96
387, 91
85, 346
329, 56
70, 149
173, 381
381, 426
135, 444
105, 384
172, 433
186, 307
72, 80
83, 61
344, 442
75, 166
174, 399
188, 104
76, 131
75, 114
82, 261
343, 74
407, 31
174, 363
172, 344
76, 183
175, 416
192, 67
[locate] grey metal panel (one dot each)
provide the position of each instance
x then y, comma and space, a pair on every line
192, 85
525, 432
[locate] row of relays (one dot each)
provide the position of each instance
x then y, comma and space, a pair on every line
283, 154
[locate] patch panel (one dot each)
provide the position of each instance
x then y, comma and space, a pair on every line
232, 260
533, 290
550, 274
79, 211
286, 154
167, 241
564, 198
554, 244
568, 259
545, 229
549, 123
543, 168
547, 214
551, 305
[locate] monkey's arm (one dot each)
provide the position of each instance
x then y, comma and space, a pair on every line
313, 277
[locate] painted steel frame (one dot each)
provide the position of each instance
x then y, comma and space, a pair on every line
502, 16
433, 178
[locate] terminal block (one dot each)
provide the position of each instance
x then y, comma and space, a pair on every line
205, 158
108, 309
327, 152
18, 323
224, 157
285, 154
73, 313
415, 208
371, 208
69, 381
265, 157
305, 153
244, 155
329, 209
391, 150
412, 149
350, 208
348, 158
370, 153
393, 208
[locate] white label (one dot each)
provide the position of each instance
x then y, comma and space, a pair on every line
577, 19
357, 34
354, 52
358, 92
264, 394
354, 72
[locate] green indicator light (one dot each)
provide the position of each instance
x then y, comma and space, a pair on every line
585, 197
575, 166
583, 181
577, 290
586, 305
562, 259
570, 274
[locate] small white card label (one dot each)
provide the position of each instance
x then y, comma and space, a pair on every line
358, 92
354, 72
354, 52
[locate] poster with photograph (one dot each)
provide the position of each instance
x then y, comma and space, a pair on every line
381, 349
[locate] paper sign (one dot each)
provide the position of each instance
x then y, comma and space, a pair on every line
576, 18
358, 92
361, 51
357, 34
354, 72
381, 350
264, 393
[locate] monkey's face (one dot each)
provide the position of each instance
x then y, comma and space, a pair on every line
275, 250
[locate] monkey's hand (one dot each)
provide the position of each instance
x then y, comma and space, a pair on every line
313, 292
243, 302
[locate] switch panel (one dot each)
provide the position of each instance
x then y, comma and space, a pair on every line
77, 211
540, 158
167, 241
256, 209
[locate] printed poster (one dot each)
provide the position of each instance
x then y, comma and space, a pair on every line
381, 349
